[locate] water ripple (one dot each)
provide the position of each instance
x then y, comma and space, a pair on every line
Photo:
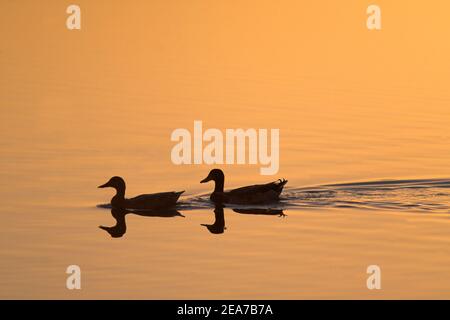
427, 195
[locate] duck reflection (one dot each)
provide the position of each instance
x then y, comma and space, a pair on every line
120, 228
218, 226
261, 211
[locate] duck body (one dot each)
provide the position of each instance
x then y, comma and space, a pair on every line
255, 194
141, 202
147, 201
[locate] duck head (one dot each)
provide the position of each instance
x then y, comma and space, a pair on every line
115, 182
218, 177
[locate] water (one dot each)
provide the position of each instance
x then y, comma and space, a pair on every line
364, 143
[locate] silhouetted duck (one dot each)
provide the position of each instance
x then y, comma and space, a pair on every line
144, 201
261, 193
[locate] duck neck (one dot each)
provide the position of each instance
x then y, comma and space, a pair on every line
120, 193
219, 185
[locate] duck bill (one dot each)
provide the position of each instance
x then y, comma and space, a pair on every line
104, 185
205, 180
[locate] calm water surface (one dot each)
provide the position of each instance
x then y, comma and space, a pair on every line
367, 161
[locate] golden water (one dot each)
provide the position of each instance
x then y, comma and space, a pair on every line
352, 106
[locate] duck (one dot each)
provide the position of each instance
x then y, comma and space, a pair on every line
144, 201
256, 194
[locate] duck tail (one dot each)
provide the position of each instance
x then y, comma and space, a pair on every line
280, 183
178, 194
